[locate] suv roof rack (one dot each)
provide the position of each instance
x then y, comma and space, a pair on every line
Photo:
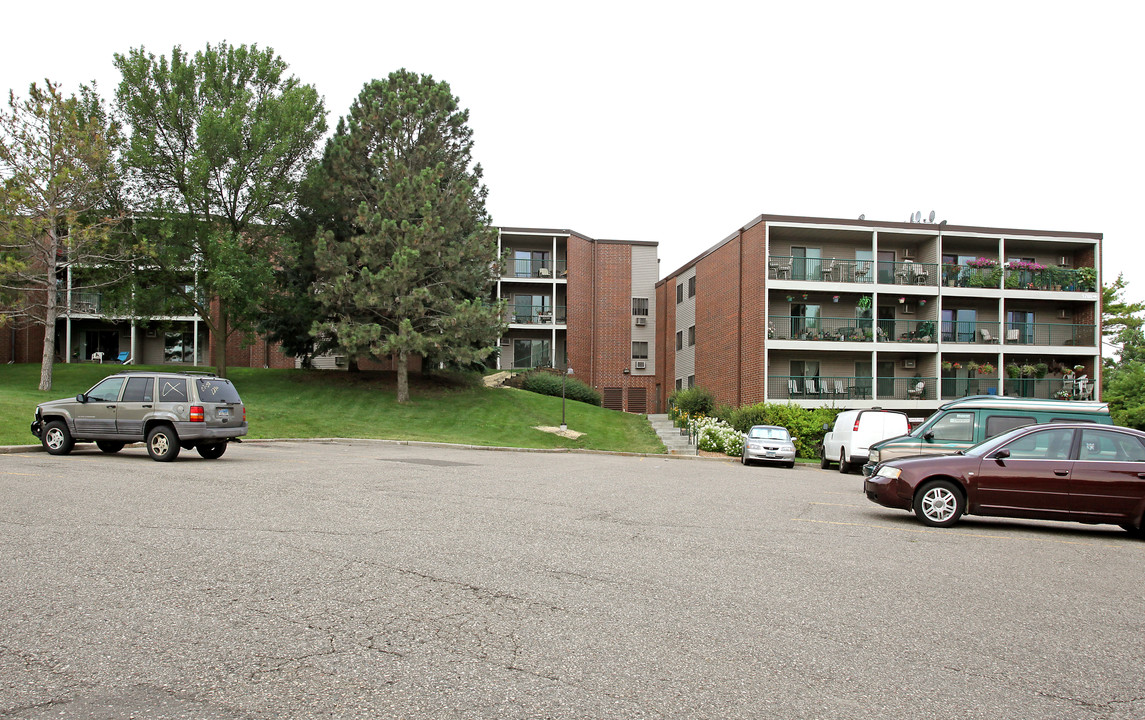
195, 373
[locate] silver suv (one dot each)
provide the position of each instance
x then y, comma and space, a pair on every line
167, 410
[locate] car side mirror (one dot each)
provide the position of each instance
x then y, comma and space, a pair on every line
81, 398
826, 427
928, 436
1002, 454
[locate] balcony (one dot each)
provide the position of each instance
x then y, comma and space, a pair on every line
537, 315
83, 303
1051, 334
850, 329
784, 267
987, 273
845, 388
953, 388
539, 269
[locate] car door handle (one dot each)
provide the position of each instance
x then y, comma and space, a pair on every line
147, 406
1141, 475
1061, 473
110, 407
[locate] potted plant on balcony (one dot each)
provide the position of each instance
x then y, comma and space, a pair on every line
1040, 370
1078, 369
986, 368
947, 366
972, 366
950, 274
1087, 278
865, 302
1014, 370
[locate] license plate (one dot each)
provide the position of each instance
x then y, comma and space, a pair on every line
224, 412
771, 454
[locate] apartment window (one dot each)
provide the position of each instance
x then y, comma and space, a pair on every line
679, 294
640, 307
692, 286
679, 383
640, 350
691, 381
679, 339
692, 336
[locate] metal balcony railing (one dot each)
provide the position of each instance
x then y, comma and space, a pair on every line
541, 269
984, 332
851, 329
1050, 334
844, 388
839, 270
537, 314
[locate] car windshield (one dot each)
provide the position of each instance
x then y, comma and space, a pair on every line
764, 433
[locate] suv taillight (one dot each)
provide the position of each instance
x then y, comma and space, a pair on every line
197, 414
856, 428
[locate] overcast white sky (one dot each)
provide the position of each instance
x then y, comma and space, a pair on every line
679, 123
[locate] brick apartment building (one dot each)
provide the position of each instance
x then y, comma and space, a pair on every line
586, 304
858, 313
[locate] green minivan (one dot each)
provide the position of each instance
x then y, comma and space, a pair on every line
968, 421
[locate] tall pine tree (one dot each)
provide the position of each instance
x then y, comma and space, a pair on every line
407, 260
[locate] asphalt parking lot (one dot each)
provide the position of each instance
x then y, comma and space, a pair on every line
376, 580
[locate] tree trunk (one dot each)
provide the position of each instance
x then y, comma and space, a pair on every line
403, 378
47, 363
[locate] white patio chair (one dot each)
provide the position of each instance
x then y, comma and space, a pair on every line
916, 392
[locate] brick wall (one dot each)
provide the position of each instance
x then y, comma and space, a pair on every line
718, 323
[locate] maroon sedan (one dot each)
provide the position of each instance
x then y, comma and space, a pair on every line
1062, 471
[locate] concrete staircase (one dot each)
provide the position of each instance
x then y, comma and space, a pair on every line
676, 443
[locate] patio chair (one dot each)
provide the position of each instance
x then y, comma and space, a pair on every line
828, 271
811, 389
920, 274
124, 358
916, 392
544, 272
986, 336
839, 389
97, 357
793, 388
861, 270
1013, 335
903, 272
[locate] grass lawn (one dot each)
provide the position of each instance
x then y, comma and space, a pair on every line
307, 404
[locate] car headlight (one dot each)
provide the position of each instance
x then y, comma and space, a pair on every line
889, 472
874, 456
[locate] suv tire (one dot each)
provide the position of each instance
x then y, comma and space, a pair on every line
56, 439
163, 443
844, 466
213, 451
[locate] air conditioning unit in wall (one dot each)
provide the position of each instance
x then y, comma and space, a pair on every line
506, 343
1063, 313
640, 364
908, 309
641, 321
908, 364
1063, 261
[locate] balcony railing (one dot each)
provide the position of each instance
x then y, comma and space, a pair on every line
1050, 334
783, 267
969, 331
908, 273
851, 388
1028, 276
542, 269
1040, 388
537, 314
850, 329
84, 302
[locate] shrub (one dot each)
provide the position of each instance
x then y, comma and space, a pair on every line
717, 436
693, 401
547, 382
806, 425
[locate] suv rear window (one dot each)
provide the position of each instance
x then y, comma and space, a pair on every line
218, 390
998, 424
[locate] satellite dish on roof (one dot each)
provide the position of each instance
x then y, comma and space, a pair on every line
863, 217
932, 216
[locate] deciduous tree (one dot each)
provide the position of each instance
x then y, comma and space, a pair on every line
56, 170
407, 259
219, 142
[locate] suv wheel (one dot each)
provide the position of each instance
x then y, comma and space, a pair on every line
109, 446
212, 452
824, 463
163, 443
57, 440
844, 466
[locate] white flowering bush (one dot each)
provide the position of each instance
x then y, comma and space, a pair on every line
717, 436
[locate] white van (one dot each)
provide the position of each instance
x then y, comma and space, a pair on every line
855, 431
